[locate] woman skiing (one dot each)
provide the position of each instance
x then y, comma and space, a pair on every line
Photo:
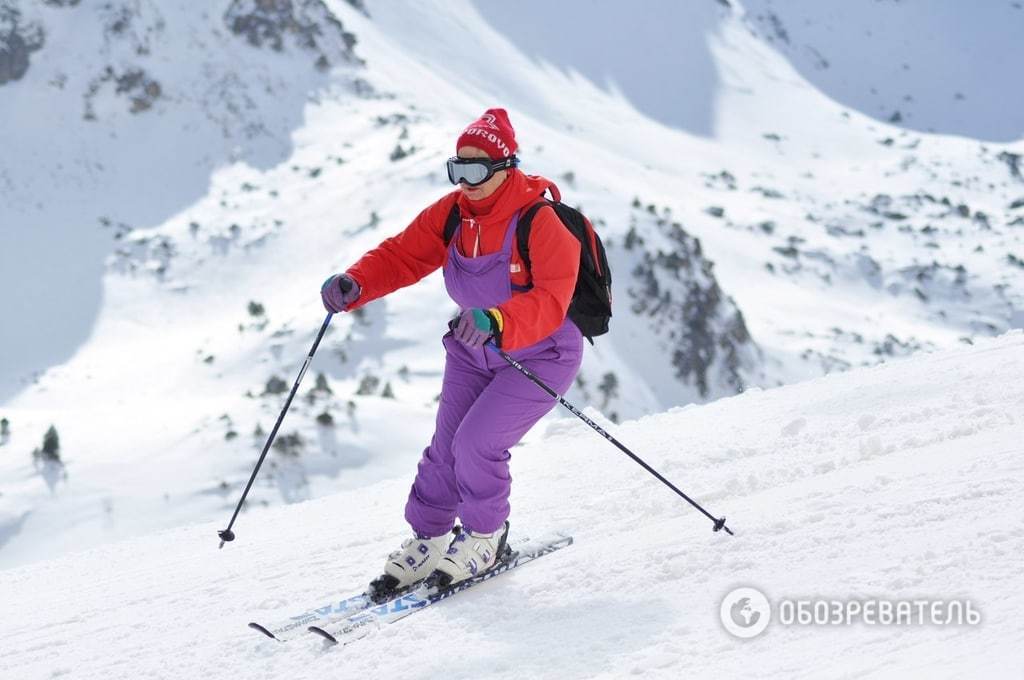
486, 406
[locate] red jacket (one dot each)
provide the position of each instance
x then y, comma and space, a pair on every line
528, 317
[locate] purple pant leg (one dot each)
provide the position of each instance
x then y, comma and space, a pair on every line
434, 497
499, 417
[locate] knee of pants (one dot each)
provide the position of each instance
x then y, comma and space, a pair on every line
471, 450
436, 454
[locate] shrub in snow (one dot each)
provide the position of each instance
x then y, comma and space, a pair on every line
289, 444
633, 239
321, 384
47, 459
321, 388
609, 387
275, 386
398, 153
368, 385
51, 447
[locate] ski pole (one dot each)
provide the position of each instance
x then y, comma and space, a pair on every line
719, 523
227, 534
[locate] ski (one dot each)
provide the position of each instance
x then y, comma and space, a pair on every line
335, 610
373, 617
294, 626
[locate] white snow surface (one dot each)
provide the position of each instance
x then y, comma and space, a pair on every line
900, 481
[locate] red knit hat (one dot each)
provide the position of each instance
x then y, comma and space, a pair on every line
491, 132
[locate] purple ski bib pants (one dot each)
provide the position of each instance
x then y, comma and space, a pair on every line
486, 405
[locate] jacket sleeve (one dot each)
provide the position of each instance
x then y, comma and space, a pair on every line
404, 258
554, 265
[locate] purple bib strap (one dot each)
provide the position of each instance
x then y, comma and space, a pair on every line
483, 281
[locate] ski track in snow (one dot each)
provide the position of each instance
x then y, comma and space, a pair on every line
899, 481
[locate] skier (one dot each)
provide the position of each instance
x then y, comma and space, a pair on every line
486, 406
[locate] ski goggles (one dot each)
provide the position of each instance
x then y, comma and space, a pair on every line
476, 171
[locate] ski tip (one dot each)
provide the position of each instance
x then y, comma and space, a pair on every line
256, 626
323, 633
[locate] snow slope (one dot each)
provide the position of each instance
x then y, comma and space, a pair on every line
898, 481
122, 117
941, 68
797, 233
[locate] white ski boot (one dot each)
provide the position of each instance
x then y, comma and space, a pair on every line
417, 558
470, 554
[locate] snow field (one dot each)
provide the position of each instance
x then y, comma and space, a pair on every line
898, 481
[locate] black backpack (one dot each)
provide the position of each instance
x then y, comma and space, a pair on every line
591, 305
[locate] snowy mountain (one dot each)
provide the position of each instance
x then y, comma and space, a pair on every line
897, 482
176, 184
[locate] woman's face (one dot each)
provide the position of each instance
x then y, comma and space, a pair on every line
487, 188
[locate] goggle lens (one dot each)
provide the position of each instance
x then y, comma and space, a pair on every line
476, 171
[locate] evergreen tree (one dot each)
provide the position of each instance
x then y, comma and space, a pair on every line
609, 387
321, 384
275, 385
51, 445
368, 385
47, 459
289, 444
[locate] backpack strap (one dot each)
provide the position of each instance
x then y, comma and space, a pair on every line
523, 231
452, 223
